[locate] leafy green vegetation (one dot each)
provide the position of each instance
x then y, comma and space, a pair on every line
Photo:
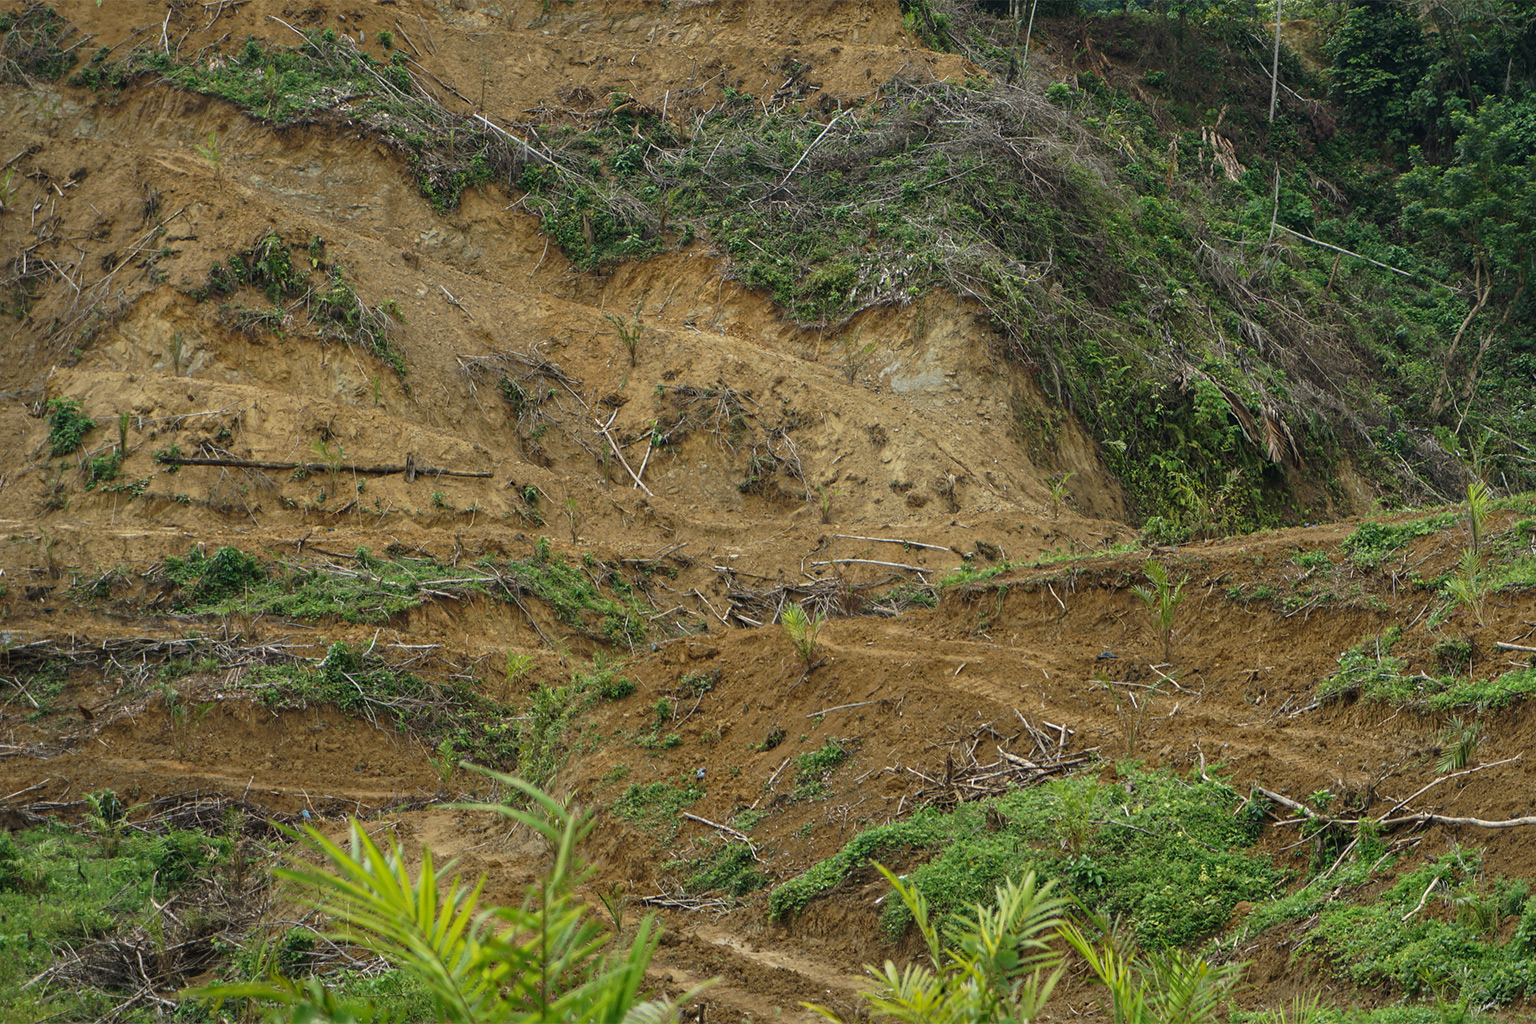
727, 868
363, 684
656, 808
541, 735
1166, 852
34, 48
473, 964
1441, 928
67, 425
1373, 543
64, 889
1369, 671
334, 308
814, 767
325, 77
603, 605
1438, 930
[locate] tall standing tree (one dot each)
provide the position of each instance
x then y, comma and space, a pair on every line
1483, 203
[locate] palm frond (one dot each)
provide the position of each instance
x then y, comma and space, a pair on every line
420, 923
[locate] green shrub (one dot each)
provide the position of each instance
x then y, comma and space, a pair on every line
229, 573
102, 468
67, 426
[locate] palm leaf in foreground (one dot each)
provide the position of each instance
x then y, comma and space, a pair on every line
547, 960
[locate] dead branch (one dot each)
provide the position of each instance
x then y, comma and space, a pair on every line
895, 540
871, 561
733, 833
325, 467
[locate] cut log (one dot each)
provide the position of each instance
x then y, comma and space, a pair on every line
409, 467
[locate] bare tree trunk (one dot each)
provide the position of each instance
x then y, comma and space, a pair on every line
1469, 392
1484, 290
1274, 74
1029, 32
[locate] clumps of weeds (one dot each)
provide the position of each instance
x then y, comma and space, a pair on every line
205, 581
657, 738
34, 45
289, 275
103, 467
1172, 854
815, 767
364, 685
324, 78
775, 736
595, 600
67, 426
606, 680
729, 868
657, 808
1438, 930
696, 684
1369, 671
1373, 543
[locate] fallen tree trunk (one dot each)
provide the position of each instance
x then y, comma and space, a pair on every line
409, 468
1389, 823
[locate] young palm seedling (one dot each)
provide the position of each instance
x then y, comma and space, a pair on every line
1162, 599
1458, 744
1478, 497
1059, 493
629, 333
210, 153
1468, 584
802, 630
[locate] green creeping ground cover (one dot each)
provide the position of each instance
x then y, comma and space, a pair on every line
1166, 852
65, 891
1442, 930
1439, 930
1170, 857
1369, 671
231, 581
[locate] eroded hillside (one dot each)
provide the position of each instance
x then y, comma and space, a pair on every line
365, 415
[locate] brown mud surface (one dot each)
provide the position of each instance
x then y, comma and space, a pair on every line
921, 446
